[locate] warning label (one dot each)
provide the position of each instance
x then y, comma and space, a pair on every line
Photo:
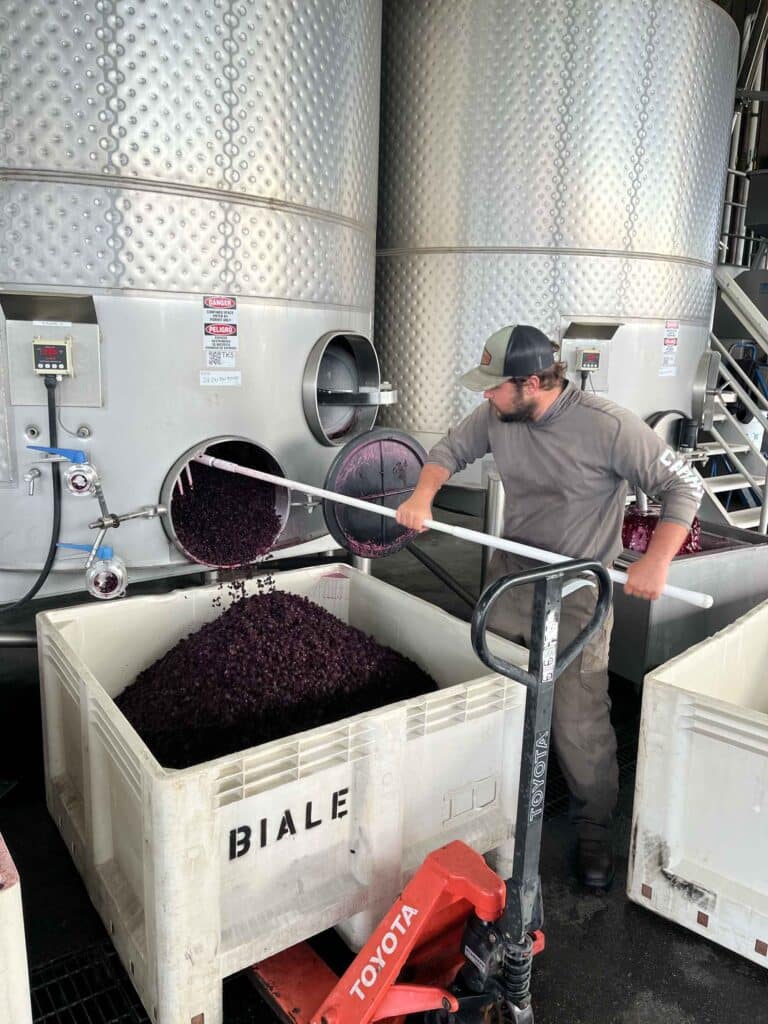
670, 340
220, 322
219, 302
221, 330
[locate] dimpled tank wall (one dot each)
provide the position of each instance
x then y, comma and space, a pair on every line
153, 152
190, 145
542, 161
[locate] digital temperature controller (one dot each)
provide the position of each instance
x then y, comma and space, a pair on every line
53, 357
588, 360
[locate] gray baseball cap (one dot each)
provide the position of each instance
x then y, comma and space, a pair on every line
515, 351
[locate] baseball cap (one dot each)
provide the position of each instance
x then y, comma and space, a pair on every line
515, 351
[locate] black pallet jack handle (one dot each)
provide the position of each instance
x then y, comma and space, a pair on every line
523, 912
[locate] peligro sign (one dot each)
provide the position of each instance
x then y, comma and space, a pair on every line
218, 329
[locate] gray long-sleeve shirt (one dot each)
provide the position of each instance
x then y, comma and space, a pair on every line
565, 475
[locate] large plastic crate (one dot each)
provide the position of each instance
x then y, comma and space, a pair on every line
15, 1006
699, 850
186, 867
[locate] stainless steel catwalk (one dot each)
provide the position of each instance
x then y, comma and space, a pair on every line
556, 163
187, 193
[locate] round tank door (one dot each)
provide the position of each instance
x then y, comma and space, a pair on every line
223, 519
342, 389
381, 468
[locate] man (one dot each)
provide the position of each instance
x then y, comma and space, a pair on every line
564, 457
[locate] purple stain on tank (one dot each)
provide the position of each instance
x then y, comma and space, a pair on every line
369, 549
374, 456
362, 476
270, 666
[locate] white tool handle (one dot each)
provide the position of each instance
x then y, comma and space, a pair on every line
474, 536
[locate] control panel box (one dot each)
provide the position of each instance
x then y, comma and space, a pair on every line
72, 351
587, 356
52, 357
588, 360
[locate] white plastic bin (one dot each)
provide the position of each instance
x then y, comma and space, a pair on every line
699, 852
15, 1007
198, 873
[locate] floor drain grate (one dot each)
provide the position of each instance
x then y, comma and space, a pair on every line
88, 987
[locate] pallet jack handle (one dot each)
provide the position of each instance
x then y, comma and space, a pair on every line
466, 938
523, 912
555, 576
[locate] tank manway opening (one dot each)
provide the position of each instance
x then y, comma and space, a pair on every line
222, 519
342, 389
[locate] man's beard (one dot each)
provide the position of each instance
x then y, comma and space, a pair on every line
522, 415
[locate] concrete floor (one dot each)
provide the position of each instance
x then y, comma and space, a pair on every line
607, 961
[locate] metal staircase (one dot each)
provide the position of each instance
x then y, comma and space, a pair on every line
730, 456
729, 448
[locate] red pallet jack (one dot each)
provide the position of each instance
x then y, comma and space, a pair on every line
457, 946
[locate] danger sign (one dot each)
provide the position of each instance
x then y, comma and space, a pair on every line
220, 322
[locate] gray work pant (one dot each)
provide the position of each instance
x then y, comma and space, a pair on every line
582, 734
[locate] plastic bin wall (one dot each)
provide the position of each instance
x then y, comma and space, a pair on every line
198, 873
700, 831
15, 1007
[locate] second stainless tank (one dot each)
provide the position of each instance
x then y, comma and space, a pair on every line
556, 163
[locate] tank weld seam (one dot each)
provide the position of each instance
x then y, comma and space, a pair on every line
439, 250
180, 190
110, 141
154, 293
640, 152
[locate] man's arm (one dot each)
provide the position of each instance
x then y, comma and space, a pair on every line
648, 574
646, 461
460, 446
418, 507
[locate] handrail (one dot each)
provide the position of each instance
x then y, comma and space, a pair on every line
738, 390
760, 487
743, 308
756, 325
750, 60
753, 481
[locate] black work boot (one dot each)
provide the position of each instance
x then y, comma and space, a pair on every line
594, 863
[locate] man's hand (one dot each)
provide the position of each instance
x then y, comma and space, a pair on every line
413, 512
418, 507
647, 577
648, 574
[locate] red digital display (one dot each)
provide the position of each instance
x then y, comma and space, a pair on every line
49, 352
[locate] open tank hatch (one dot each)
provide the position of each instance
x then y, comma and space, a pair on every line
342, 389
220, 519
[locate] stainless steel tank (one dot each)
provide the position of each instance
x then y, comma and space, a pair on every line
188, 195
558, 163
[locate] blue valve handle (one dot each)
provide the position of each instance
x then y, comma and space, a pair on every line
76, 455
104, 553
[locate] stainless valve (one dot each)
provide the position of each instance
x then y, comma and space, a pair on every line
30, 477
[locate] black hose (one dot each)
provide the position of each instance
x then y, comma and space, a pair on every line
50, 384
18, 639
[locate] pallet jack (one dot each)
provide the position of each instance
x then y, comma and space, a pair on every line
457, 946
